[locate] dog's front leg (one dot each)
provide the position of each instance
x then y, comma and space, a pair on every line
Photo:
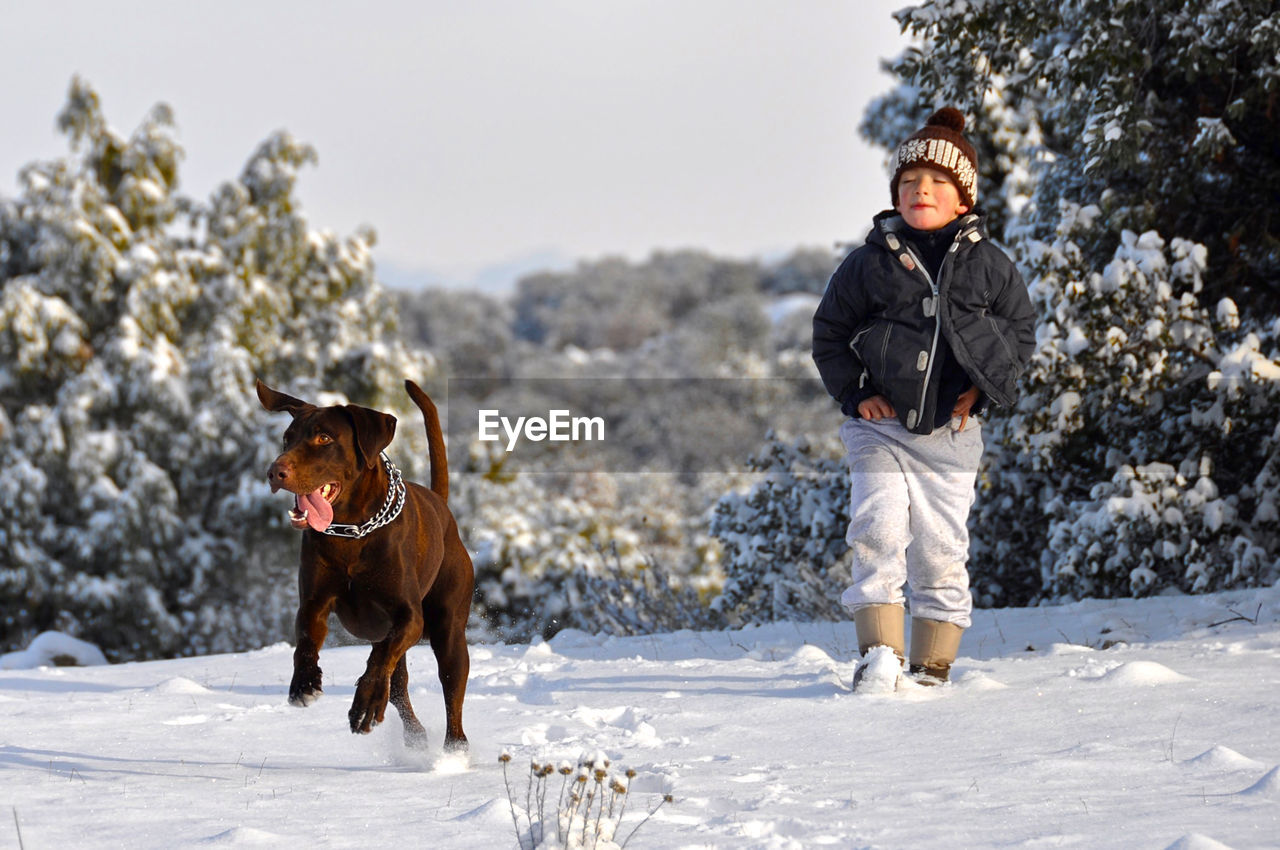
373, 690
310, 628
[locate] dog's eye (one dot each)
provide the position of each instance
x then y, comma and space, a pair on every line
324, 439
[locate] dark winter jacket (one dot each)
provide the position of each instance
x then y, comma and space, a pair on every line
885, 323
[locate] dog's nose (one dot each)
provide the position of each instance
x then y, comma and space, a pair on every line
277, 474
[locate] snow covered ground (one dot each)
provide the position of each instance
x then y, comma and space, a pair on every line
1125, 724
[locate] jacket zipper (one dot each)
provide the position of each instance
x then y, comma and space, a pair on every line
937, 328
935, 287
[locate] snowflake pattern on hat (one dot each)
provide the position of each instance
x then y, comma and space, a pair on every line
912, 150
967, 175
943, 155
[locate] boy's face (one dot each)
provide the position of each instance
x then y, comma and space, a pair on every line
928, 198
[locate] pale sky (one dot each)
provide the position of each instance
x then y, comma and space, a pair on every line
493, 134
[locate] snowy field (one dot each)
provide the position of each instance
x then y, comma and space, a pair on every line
1119, 724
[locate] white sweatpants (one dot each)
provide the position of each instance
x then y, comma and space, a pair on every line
909, 503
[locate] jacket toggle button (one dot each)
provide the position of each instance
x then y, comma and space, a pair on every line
922, 362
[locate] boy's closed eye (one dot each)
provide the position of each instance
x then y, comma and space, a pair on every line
937, 178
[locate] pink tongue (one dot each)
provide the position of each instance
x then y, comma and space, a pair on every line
319, 511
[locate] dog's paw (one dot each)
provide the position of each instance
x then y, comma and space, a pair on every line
304, 698
416, 739
415, 735
305, 687
370, 705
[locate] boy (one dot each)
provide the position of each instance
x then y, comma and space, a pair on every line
918, 330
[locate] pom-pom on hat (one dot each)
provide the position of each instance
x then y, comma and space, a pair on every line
940, 144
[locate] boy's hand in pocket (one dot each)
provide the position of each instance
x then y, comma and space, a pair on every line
877, 407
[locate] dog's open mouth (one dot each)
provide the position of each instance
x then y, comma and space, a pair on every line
315, 510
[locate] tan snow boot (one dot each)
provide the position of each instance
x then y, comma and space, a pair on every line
879, 626
934, 644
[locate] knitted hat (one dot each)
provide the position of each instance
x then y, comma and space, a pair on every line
940, 144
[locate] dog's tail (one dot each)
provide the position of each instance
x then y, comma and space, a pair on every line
435, 439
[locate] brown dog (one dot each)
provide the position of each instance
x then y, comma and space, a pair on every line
392, 566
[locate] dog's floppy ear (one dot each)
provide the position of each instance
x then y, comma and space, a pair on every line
277, 401
373, 431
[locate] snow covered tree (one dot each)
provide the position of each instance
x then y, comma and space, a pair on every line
783, 539
1129, 161
133, 321
469, 332
1161, 113
595, 552
1143, 454
1128, 148
619, 305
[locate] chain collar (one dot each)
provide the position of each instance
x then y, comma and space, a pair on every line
387, 513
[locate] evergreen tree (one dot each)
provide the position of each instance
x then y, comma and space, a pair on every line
783, 539
1163, 114
1130, 162
133, 322
1143, 454
595, 552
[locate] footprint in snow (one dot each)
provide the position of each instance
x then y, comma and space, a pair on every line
633, 724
